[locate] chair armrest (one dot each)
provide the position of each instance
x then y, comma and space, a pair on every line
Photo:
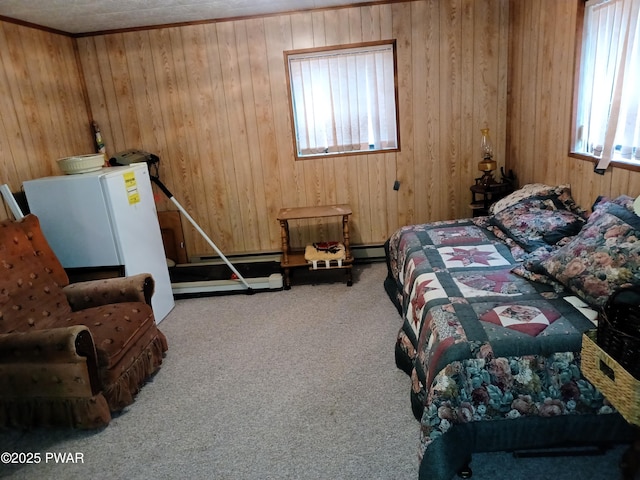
94, 293
53, 361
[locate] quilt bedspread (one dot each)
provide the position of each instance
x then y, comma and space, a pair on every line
491, 347
479, 340
460, 299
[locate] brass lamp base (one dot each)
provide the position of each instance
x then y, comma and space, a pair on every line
487, 179
487, 166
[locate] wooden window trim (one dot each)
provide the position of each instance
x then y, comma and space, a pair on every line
287, 53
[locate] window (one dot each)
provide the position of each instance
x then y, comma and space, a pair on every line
343, 100
608, 114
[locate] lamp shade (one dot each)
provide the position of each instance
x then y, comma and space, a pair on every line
486, 146
487, 164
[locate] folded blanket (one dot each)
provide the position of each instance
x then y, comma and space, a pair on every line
325, 252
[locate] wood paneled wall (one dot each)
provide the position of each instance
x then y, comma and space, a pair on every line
211, 101
43, 113
543, 36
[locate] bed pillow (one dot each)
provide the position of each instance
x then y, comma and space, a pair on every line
539, 221
623, 200
526, 269
604, 256
562, 193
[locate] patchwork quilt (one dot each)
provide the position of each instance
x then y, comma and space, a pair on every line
457, 293
481, 340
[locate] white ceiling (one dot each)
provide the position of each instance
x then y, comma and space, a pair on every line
84, 16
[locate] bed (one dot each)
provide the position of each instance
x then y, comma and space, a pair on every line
493, 311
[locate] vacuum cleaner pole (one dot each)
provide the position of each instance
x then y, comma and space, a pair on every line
170, 196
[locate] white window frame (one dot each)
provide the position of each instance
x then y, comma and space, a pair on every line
607, 113
323, 81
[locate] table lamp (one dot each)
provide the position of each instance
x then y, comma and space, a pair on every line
487, 164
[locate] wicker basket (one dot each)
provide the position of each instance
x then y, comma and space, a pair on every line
82, 163
619, 329
607, 375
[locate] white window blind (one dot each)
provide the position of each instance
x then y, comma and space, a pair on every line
608, 115
344, 100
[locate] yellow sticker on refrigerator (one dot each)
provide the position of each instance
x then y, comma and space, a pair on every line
131, 186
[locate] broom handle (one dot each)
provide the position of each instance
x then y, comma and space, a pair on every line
166, 191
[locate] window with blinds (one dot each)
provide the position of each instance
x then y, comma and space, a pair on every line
608, 115
343, 99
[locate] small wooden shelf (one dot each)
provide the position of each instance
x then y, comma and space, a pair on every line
292, 258
482, 196
295, 258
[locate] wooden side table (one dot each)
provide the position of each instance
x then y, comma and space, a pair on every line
482, 196
295, 258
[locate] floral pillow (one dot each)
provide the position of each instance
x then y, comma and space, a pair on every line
538, 222
604, 256
560, 192
526, 269
623, 200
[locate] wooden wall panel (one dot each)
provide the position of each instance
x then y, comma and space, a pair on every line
211, 100
42, 100
224, 133
542, 42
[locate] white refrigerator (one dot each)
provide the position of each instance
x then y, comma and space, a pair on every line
105, 218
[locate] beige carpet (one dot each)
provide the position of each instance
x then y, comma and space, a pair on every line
297, 384
281, 384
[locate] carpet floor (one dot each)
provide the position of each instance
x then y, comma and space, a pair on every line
296, 384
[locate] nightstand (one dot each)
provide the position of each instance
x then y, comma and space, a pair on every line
296, 258
482, 196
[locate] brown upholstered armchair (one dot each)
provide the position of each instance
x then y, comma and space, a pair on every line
70, 355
